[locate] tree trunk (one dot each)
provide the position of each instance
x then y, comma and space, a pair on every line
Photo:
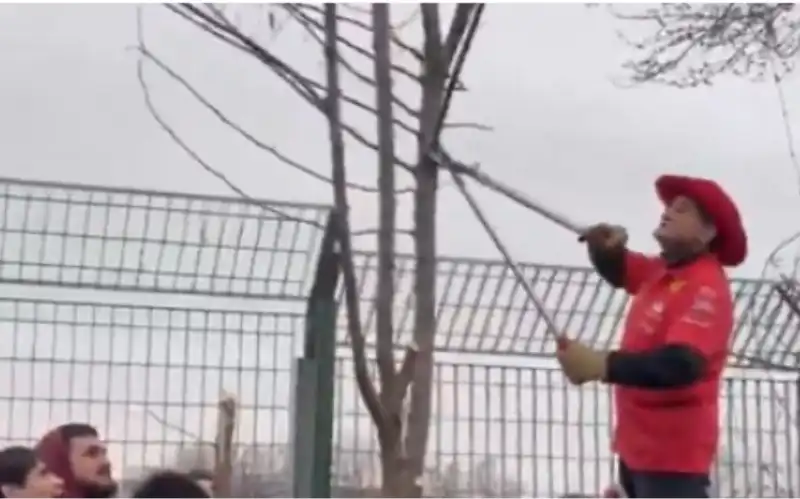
433, 79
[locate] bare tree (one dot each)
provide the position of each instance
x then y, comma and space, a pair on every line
400, 402
690, 44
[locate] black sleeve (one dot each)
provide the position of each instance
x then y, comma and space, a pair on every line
610, 264
668, 367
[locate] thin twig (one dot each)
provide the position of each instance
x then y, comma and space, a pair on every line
186, 148
315, 30
279, 67
172, 426
365, 27
241, 131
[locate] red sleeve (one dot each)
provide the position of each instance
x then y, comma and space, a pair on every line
638, 268
703, 319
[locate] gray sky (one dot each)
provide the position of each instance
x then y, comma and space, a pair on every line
541, 75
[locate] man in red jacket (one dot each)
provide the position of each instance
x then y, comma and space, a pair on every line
675, 341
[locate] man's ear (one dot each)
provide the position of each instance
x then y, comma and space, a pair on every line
709, 233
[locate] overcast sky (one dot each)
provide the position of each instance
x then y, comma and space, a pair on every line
540, 75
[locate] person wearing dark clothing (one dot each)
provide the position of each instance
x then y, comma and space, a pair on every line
22, 474
675, 341
76, 454
170, 484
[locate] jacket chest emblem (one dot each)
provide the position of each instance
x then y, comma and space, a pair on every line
651, 317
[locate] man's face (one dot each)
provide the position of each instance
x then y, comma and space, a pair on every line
40, 482
682, 222
90, 465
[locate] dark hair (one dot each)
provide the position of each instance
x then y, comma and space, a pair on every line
169, 484
74, 430
16, 463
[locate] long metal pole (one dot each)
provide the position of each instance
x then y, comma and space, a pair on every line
551, 327
520, 198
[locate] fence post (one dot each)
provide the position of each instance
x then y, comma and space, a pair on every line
314, 378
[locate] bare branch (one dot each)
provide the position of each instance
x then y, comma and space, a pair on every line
406, 373
434, 78
690, 44
366, 27
280, 68
186, 434
186, 148
462, 42
354, 327
273, 151
225, 31
458, 26
314, 27
387, 204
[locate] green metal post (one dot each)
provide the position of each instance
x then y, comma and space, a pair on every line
314, 379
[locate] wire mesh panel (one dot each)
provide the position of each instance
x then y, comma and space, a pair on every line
520, 431
148, 377
482, 308
91, 237
133, 310
760, 455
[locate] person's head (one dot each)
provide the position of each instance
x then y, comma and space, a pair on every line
23, 475
203, 478
76, 454
169, 484
698, 217
685, 226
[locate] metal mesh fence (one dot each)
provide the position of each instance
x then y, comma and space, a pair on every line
131, 240
132, 310
130, 369
482, 309
522, 431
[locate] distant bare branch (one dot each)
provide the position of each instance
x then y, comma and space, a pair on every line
690, 44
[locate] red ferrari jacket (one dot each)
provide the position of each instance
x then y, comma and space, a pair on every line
674, 430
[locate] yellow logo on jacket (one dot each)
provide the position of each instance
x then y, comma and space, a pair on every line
676, 286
